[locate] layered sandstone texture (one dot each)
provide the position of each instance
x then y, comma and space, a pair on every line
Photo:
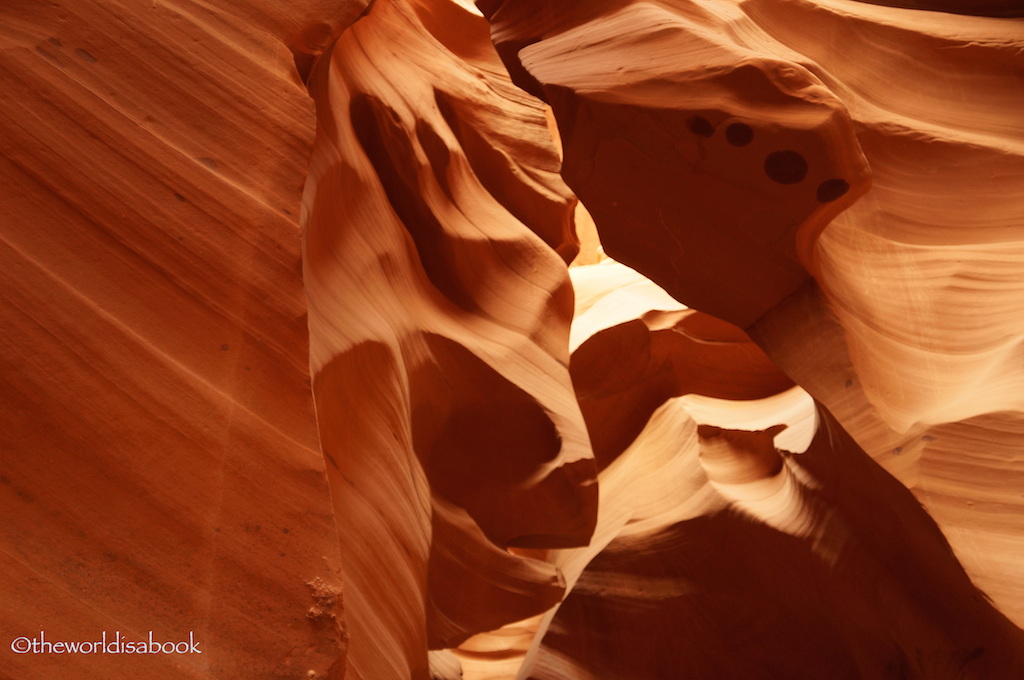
589, 339
161, 469
810, 172
436, 238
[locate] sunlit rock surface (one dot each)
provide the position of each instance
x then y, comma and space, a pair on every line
439, 323
294, 357
896, 326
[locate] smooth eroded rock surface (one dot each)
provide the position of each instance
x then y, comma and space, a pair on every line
590, 339
160, 468
439, 320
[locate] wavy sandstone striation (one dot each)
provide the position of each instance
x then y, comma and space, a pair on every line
717, 553
694, 86
439, 324
160, 468
471, 459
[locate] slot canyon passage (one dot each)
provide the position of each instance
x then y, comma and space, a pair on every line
530, 339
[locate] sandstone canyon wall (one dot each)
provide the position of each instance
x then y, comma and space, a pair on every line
161, 469
414, 339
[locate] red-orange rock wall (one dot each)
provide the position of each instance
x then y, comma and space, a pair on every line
160, 467
292, 359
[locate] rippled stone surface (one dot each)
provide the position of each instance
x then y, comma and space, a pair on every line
319, 339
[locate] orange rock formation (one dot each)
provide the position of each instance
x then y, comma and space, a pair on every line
311, 349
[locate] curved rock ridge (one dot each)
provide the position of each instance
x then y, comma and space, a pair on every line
983, 8
160, 468
719, 198
922, 270
907, 322
706, 533
635, 347
821, 585
434, 220
654, 478
414, 424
